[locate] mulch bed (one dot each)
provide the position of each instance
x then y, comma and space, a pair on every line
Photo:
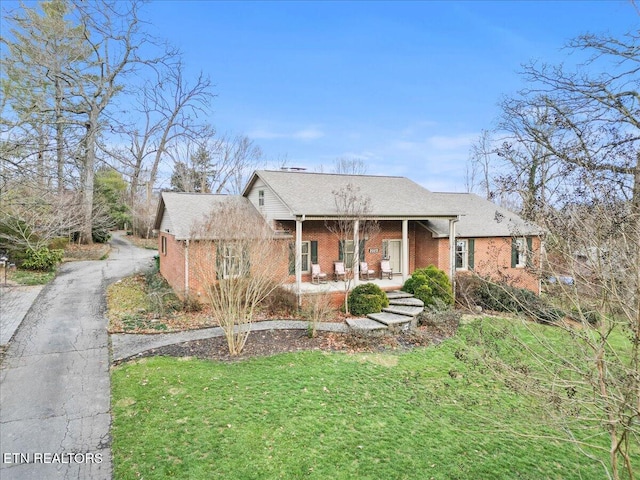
271, 342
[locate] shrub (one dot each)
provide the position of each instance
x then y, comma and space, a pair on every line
280, 302
501, 297
42, 259
367, 298
161, 296
191, 304
429, 284
59, 243
439, 316
100, 235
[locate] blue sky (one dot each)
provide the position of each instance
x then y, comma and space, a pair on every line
404, 86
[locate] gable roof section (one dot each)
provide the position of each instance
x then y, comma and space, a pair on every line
311, 194
481, 218
185, 210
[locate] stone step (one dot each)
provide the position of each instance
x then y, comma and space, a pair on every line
390, 319
409, 301
394, 294
365, 324
408, 310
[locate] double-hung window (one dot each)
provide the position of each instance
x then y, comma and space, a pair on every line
520, 249
465, 253
462, 255
305, 265
233, 260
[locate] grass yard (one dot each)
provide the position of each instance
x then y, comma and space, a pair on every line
424, 414
28, 277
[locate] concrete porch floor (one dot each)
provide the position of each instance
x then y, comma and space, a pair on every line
385, 284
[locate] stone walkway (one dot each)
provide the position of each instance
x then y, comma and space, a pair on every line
126, 345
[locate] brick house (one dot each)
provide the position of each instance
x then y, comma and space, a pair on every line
456, 232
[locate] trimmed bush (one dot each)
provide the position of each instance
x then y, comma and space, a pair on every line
367, 298
429, 284
42, 259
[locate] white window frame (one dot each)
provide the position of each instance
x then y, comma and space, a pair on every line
305, 257
261, 198
521, 248
231, 257
348, 254
462, 253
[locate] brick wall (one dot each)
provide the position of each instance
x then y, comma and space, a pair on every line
172, 261
202, 264
492, 258
431, 251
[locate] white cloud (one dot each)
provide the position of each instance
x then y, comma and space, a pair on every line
305, 134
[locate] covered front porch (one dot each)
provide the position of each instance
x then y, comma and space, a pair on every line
403, 243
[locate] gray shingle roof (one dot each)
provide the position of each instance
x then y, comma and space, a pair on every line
311, 194
186, 210
481, 218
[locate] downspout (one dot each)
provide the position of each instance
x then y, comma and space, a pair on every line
452, 254
298, 259
186, 268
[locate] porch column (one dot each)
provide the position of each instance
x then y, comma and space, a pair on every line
355, 269
405, 249
298, 264
452, 254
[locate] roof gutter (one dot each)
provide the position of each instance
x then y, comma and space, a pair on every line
452, 254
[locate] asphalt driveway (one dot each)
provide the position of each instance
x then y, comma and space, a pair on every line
54, 381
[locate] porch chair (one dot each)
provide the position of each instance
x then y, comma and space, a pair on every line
365, 272
339, 271
317, 276
385, 269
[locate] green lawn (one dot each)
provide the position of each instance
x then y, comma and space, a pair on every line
425, 414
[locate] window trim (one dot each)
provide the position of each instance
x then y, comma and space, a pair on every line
521, 252
261, 198
306, 243
163, 245
463, 254
232, 256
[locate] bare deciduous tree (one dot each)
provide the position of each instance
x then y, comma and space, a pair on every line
31, 218
170, 109
349, 166
351, 225
575, 147
239, 261
235, 157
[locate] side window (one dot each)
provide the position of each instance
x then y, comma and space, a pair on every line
462, 255
519, 253
261, 198
163, 245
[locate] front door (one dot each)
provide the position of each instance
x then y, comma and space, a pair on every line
395, 255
